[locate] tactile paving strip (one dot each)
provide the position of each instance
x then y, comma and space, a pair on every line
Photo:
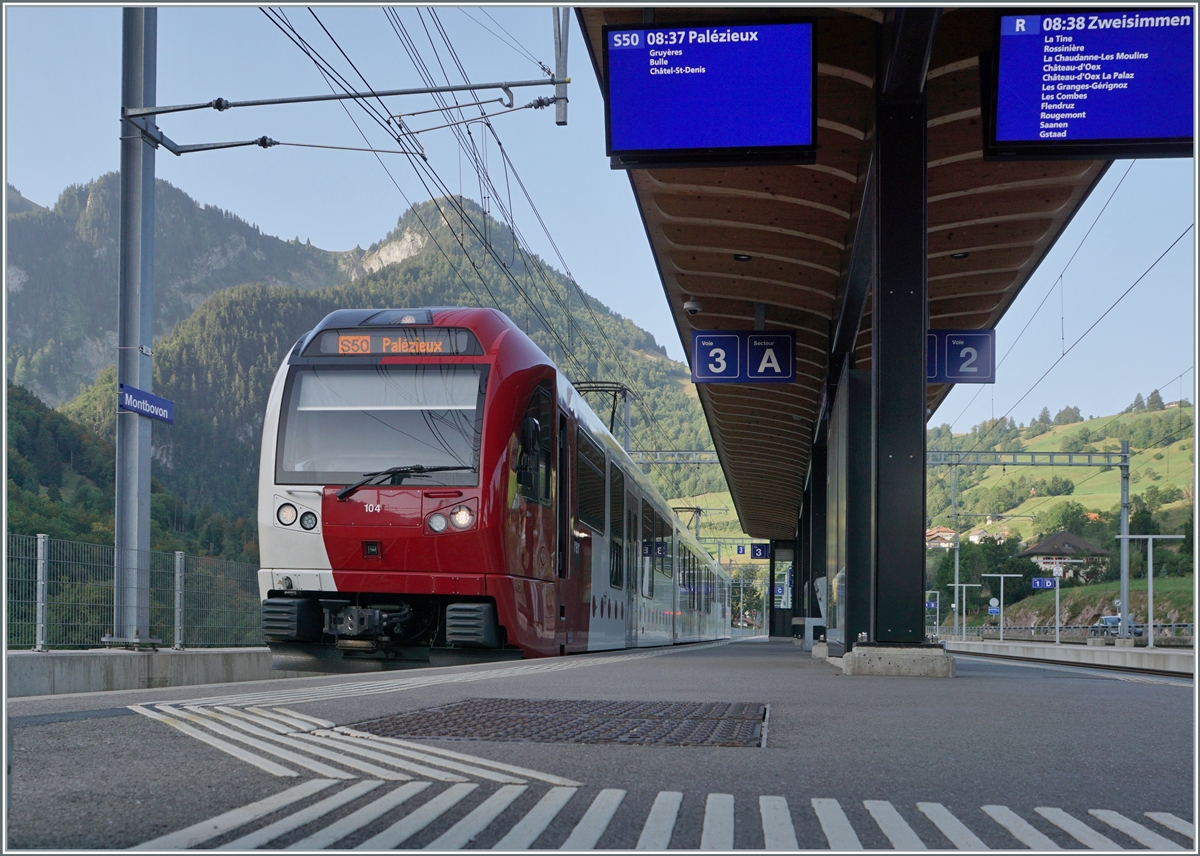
737, 724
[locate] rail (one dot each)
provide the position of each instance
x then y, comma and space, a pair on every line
60, 595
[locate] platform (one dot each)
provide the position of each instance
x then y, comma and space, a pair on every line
745, 745
1168, 661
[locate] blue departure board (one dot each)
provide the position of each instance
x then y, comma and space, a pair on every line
714, 91
1081, 77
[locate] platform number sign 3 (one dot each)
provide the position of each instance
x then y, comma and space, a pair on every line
717, 357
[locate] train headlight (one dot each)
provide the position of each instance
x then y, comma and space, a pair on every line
286, 514
308, 521
437, 522
462, 517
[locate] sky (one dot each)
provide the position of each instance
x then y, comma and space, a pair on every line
62, 99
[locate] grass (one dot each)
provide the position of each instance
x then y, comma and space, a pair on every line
1095, 489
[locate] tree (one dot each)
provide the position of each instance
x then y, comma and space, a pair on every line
1138, 404
1154, 402
1044, 416
1067, 416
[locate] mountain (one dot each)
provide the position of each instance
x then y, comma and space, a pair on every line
217, 365
62, 268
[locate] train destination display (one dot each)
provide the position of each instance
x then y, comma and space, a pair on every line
711, 92
1079, 77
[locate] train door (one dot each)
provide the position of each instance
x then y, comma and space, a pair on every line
645, 598
632, 561
615, 629
564, 540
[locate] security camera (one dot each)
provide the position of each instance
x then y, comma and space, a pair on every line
693, 307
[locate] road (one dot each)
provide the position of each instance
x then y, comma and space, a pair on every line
1004, 756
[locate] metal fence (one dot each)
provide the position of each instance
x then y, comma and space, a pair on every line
1163, 633
60, 595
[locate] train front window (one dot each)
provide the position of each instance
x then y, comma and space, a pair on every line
341, 422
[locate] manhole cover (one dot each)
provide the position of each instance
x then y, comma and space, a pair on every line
659, 723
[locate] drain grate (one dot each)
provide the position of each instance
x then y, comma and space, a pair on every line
737, 724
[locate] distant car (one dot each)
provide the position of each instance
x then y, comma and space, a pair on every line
1110, 625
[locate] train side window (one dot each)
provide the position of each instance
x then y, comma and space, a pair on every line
589, 481
662, 543
648, 549
616, 518
539, 459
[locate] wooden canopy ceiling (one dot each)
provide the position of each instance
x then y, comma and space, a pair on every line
797, 224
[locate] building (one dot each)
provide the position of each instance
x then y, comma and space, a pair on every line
1063, 550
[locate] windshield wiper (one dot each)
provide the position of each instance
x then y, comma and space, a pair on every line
414, 469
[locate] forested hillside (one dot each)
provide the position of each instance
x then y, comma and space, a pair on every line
60, 482
62, 275
1023, 504
218, 364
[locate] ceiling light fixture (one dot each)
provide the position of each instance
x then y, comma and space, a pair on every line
959, 255
741, 257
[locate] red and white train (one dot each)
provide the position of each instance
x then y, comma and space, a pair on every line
432, 489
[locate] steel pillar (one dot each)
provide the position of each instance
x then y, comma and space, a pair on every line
135, 332
817, 498
899, 321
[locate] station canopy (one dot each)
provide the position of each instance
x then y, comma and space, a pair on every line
990, 226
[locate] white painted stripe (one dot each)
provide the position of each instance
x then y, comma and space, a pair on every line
336, 757
778, 832
228, 748
206, 830
462, 833
408, 826
895, 827
533, 824
475, 761
838, 831
951, 827
374, 756
304, 816
594, 821
717, 833
299, 760
1134, 830
1077, 829
423, 769
660, 823
356, 820
277, 727
323, 723
1173, 823
1020, 828
295, 724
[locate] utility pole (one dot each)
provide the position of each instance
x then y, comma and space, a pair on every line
1124, 631
1149, 581
562, 32
135, 331
954, 523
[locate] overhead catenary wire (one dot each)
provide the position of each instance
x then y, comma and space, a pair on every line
468, 146
1085, 333
550, 238
1050, 291
427, 175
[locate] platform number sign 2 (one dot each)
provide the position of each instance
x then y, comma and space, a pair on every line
960, 356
